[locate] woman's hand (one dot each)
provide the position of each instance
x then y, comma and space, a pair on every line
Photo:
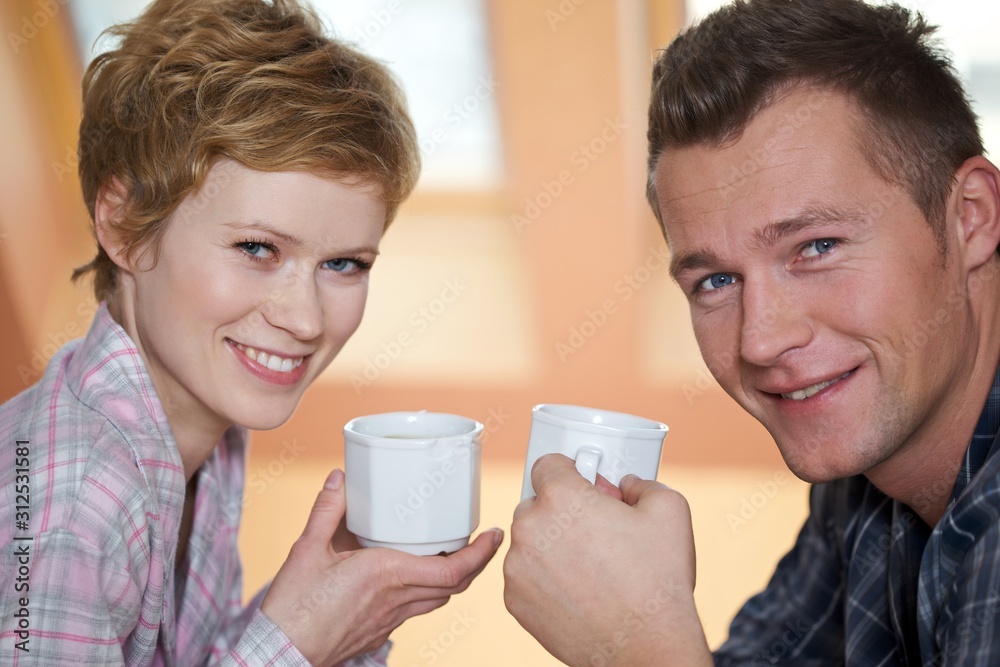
334, 604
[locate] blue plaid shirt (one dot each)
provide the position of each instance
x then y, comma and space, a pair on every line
869, 583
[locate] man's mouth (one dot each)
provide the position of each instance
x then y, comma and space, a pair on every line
270, 361
802, 394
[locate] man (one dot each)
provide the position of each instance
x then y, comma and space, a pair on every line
819, 177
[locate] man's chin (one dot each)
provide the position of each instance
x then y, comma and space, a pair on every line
815, 468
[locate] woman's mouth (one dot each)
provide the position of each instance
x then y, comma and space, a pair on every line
270, 361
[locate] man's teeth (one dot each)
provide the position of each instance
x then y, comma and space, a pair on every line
272, 361
800, 394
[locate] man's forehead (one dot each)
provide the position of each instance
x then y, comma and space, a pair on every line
779, 135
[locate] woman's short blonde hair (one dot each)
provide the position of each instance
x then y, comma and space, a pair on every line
194, 81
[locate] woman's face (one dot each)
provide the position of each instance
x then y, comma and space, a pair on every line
261, 279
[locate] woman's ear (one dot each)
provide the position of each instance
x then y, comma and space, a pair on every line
108, 211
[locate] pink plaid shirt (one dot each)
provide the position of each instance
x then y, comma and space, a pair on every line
93, 491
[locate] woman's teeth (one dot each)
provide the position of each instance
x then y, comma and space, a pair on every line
272, 361
800, 394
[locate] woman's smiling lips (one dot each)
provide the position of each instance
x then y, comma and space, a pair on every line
270, 366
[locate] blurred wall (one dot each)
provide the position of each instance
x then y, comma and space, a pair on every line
549, 287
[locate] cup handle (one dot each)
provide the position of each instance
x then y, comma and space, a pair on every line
587, 459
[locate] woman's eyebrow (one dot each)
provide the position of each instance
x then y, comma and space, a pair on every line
261, 226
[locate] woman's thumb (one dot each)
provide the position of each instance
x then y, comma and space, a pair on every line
328, 509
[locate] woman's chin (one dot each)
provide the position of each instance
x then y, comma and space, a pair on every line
264, 420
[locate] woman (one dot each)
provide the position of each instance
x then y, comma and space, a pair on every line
240, 169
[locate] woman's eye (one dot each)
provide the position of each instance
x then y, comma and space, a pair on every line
715, 281
256, 249
345, 265
819, 247
340, 265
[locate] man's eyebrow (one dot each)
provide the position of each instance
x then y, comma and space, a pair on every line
770, 235
692, 261
810, 217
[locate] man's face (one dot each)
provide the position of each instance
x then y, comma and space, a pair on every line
818, 293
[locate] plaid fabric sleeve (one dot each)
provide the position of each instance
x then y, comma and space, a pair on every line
263, 643
798, 618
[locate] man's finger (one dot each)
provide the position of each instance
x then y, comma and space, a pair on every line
553, 470
634, 490
607, 487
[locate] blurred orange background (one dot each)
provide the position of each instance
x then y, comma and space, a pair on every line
545, 283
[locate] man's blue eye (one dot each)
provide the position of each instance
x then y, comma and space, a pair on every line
715, 281
819, 247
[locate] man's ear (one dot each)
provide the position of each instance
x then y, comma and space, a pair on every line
108, 212
974, 208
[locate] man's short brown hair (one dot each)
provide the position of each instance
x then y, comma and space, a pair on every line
917, 124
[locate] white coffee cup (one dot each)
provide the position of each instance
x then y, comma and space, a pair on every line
413, 480
612, 444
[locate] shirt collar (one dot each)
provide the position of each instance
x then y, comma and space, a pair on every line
984, 439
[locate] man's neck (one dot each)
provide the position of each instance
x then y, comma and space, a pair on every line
922, 473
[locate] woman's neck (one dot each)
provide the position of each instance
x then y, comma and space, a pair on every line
196, 430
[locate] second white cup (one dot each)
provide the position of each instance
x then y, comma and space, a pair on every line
612, 444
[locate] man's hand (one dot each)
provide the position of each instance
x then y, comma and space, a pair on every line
601, 581
334, 605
